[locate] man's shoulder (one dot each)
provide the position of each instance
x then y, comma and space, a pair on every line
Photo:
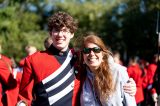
38, 55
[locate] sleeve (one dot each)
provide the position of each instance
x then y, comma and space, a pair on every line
6, 77
150, 75
26, 86
5, 73
145, 82
8, 84
1, 95
128, 100
12, 94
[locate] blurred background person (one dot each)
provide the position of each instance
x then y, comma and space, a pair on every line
135, 72
151, 80
144, 65
29, 50
47, 42
9, 82
117, 57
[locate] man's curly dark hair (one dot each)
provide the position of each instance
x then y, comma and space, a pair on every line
62, 19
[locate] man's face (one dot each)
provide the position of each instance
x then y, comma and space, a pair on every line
61, 39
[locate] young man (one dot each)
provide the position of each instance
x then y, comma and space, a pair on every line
50, 77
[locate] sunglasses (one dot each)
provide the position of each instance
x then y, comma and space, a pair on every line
95, 50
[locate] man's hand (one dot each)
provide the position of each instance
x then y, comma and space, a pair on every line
130, 87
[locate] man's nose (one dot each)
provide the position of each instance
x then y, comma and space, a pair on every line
60, 33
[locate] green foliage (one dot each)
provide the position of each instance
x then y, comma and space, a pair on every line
139, 29
91, 15
133, 31
19, 29
129, 31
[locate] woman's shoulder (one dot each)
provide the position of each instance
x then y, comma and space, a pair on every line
117, 69
121, 68
120, 72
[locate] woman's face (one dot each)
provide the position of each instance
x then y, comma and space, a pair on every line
92, 55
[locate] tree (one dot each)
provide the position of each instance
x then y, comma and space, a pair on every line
124, 25
18, 29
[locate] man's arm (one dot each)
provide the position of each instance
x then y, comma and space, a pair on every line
26, 86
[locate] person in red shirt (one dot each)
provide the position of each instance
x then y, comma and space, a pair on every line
29, 50
117, 57
50, 77
9, 82
149, 81
135, 72
47, 42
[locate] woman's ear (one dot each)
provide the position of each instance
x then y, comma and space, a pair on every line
104, 56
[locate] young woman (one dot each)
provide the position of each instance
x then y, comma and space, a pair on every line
103, 85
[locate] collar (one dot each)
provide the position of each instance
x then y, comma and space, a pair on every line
55, 51
90, 75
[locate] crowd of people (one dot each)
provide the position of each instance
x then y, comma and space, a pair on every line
145, 75
87, 76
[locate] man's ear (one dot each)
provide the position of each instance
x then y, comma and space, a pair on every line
72, 35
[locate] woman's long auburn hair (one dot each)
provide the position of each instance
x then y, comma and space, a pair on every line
103, 75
